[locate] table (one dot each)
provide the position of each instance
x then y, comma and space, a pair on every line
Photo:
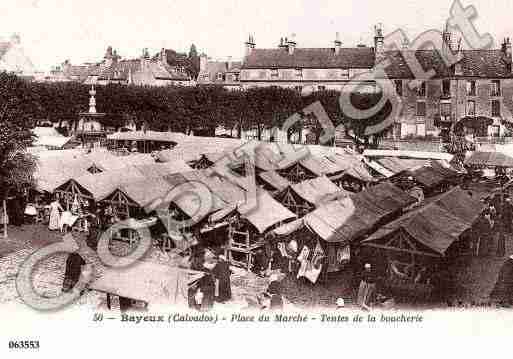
147, 282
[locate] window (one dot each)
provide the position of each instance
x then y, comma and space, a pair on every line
421, 108
446, 88
344, 74
496, 108
219, 76
274, 73
321, 88
299, 73
398, 87
471, 88
496, 88
445, 111
236, 77
471, 108
421, 90
299, 89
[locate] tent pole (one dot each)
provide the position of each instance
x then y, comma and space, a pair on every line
4, 210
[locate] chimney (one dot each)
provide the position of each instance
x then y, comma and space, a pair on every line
379, 39
447, 39
115, 56
108, 57
145, 57
458, 68
338, 43
291, 44
250, 45
506, 49
203, 63
163, 55
66, 65
229, 63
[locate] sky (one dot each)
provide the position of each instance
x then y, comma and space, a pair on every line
80, 30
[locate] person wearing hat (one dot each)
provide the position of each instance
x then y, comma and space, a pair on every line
222, 272
273, 298
507, 214
367, 287
74, 264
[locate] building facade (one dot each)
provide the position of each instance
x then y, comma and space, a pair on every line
304, 69
144, 71
477, 90
221, 73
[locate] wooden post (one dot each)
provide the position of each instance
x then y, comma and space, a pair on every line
4, 212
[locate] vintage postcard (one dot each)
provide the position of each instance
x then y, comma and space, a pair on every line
293, 172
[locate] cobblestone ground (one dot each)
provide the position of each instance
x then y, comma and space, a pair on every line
474, 277
48, 276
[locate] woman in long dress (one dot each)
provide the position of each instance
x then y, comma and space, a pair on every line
55, 215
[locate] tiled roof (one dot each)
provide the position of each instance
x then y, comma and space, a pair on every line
474, 63
119, 70
217, 67
485, 63
358, 57
398, 66
158, 70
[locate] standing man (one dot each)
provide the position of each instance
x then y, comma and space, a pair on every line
222, 273
367, 288
74, 265
503, 291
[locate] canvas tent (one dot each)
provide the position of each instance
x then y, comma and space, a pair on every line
346, 219
489, 159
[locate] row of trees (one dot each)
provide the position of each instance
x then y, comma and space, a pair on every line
191, 108
160, 108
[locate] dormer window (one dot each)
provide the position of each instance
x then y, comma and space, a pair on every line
471, 88
496, 88
236, 77
299, 73
421, 89
274, 73
344, 73
219, 76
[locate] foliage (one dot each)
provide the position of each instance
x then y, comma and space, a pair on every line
18, 106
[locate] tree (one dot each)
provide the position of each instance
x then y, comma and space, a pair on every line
193, 66
18, 106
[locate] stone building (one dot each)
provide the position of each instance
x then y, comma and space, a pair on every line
303, 69
478, 88
144, 71
222, 73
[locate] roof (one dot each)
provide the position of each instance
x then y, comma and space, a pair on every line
213, 68
316, 190
317, 58
147, 136
489, 159
491, 63
432, 226
397, 165
345, 219
191, 193
159, 170
100, 185
409, 154
273, 179
48, 136
460, 204
267, 213
438, 224
145, 191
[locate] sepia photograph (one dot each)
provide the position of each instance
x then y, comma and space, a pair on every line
168, 168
